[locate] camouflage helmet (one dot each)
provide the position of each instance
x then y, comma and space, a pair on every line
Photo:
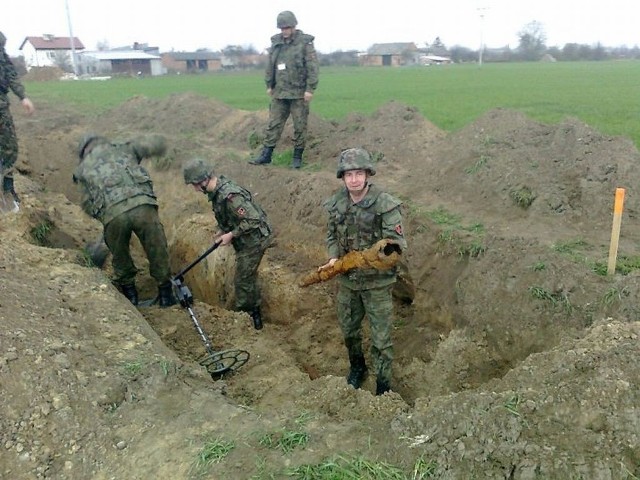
197, 170
84, 142
354, 159
287, 19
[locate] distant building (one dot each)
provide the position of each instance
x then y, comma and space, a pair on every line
120, 62
200, 61
390, 54
49, 50
434, 60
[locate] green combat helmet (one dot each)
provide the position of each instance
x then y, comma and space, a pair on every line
287, 19
197, 170
86, 139
354, 159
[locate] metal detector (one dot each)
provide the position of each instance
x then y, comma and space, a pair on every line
216, 363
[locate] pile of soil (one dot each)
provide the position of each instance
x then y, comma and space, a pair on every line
515, 358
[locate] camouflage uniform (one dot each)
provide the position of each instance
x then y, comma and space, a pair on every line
118, 191
8, 139
236, 212
355, 227
291, 70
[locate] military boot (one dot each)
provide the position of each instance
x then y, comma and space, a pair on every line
297, 157
131, 292
358, 371
256, 316
8, 187
382, 386
165, 295
264, 158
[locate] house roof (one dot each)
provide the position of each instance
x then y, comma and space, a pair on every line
397, 48
198, 55
49, 42
121, 55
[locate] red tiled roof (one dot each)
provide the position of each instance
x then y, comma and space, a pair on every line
53, 43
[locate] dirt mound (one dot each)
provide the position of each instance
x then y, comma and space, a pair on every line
514, 346
43, 74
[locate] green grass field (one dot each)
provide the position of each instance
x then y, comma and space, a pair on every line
605, 95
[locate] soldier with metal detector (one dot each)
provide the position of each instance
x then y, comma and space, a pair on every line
243, 224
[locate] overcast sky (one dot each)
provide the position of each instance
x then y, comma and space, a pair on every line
337, 24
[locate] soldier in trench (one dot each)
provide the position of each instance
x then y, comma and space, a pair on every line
118, 191
361, 214
243, 224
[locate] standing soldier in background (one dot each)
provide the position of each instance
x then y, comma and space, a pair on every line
291, 77
118, 191
360, 215
242, 223
8, 139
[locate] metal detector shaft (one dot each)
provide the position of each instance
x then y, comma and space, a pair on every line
198, 260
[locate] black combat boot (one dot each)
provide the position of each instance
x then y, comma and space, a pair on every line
264, 158
165, 296
131, 292
382, 386
7, 187
297, 157
358, 371
256, 316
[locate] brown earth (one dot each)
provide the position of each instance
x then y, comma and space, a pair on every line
516, 360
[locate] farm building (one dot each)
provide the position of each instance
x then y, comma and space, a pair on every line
116, 62
390, 55
49, 50
199, 61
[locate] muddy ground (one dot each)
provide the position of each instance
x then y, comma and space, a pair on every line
517, 358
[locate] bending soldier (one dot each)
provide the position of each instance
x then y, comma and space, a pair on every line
118, 191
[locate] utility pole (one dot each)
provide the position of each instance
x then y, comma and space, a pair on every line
71, 39
481, 12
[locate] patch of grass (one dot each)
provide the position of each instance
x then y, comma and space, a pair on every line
342, 468
423, 469
132, 368
614, 295
40, 232
480, 163
255, 139
569, 247
285, 440
512, 404
213, 451
555, 299
522, 197
538, 266
440, 216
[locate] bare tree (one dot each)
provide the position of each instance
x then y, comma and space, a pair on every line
532, 41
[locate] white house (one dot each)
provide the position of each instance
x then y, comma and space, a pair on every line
49, 51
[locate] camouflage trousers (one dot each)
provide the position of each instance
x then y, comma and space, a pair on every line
246, 285
144, 221
377, 305
279, 112
8, 139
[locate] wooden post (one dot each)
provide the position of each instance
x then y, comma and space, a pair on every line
615, 231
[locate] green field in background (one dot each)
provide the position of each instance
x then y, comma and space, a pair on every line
605, 95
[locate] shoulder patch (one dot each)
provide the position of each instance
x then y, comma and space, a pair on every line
398, 229
241, 211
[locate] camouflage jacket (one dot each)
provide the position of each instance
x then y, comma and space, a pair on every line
292, 68
236, 212
9, 79
356, 227
113, 181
